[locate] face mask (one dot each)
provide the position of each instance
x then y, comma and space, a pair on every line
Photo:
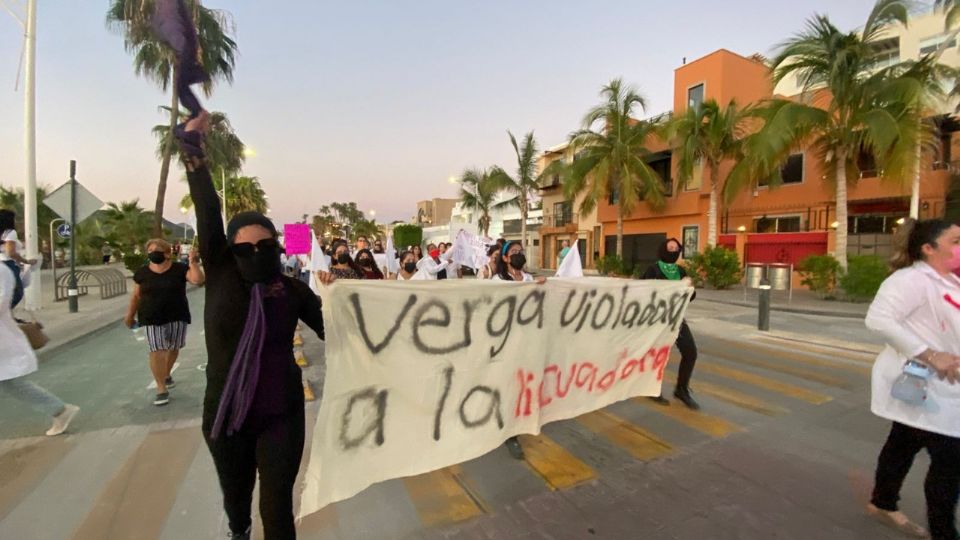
518, 261
261, 266
954, 262
343, 258
671, 257
409, 267
366, 262
157, 257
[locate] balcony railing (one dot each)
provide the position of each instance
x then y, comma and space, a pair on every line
560, 220
552, 181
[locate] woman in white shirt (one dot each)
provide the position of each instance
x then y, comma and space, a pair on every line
917, 311
10, 253
17, 360
488, 270
511, 264
408, 268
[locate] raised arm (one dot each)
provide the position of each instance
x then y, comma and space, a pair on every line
206, 203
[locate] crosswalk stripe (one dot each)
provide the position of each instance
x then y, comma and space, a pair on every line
558, 468
713, 426
857, 355
793, 371
638, 442
794, 356
136, 501
443, 497
739, 399
766, 383
25, 467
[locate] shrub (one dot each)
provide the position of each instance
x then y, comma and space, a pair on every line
407, 235
133, 261
865, 274
820, 274
718, 267
610, 265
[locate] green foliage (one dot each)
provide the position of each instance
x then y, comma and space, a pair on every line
718, 267
865, 274
133, 261
611, 265
407, 235
820, 274
478, 192
338, 220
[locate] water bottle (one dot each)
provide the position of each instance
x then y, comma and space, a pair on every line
911, 386
138, 333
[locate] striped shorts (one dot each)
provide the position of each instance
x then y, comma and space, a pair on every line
167, 337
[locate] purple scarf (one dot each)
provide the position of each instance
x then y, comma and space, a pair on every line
241, 384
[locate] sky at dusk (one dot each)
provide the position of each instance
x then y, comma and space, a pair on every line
374, 102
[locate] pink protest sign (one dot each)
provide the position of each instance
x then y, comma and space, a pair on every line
297, 238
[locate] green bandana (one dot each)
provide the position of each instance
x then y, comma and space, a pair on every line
670, 270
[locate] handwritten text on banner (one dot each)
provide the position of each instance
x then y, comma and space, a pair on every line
422, 375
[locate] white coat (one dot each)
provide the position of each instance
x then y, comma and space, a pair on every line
16, 355
916, 309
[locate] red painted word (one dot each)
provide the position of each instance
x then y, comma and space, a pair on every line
583, 377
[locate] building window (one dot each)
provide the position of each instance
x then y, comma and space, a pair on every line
691, 241
780, 224
695, 182
563, 213
866, 164
791, 171
931, 44
662, 168
695, 96
536, 242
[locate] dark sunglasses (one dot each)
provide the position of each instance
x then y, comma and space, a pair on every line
246, 249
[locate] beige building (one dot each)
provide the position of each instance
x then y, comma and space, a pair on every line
562, 219
435, 212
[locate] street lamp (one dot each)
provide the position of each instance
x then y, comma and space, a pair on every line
373, 213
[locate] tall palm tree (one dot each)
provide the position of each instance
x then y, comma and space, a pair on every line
611, 157
525, 182
244, 194
859, 109
155, 62
706, 136
478, 192
222, 145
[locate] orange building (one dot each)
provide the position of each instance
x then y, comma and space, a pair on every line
803, 205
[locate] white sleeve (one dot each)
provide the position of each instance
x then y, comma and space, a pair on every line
898, 298
10, 236
7, 284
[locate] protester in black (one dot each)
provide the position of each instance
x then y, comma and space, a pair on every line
159, 305
667, 268
253, 418
368, 265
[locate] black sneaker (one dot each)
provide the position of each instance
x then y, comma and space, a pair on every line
170, 383
162, 399
240, 536
686, 396
660, 400
513, 446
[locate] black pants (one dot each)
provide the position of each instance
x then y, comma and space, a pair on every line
941, 486
273, 447
688, 355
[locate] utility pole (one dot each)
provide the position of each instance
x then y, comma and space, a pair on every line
33, 292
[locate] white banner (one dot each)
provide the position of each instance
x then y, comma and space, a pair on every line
422, 375
468, 249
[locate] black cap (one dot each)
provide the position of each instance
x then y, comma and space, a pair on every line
244, 219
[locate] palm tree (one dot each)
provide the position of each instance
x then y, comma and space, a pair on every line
706, 136
223, 148
525, 182
610, 157
478, 192
859, 110
244, 194
155, 61
127, 224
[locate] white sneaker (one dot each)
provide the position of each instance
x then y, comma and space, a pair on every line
62, 420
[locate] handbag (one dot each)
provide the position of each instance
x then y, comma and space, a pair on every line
34, 332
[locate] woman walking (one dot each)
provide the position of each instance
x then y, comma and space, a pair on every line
343, 266
10, 253
17, 359
487, 271
408, 268
667, 268
917, 312
159, 304
253, 417
368, 265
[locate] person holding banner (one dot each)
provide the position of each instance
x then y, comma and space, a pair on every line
667, 268
253, 409
408, 268
511, 264
343, 266
368, 265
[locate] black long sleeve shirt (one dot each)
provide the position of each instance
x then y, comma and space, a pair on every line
225, 312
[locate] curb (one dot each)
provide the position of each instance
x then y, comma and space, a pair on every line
800, 311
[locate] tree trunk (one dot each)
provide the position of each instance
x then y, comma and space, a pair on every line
915, 187
841, 245
523, 222
165, 162
620, 235
712, 209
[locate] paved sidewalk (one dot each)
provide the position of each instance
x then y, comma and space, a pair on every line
803, 302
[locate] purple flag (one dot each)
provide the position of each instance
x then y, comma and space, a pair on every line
173, 25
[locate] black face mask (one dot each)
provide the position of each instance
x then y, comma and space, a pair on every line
366, 262
518, 261
409, 267
671, 257
343, 258
157, 257
260, 266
